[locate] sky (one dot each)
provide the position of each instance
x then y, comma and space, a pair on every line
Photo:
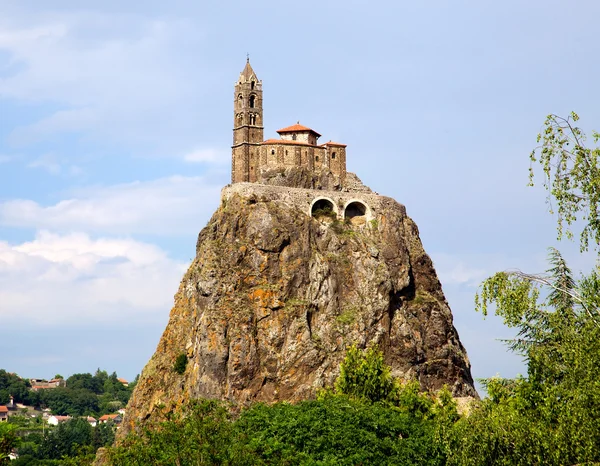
115, 136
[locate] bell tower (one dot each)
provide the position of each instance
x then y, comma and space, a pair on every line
247, 126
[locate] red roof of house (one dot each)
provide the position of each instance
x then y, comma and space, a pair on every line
331, 143
296, 128
106, 417
3, 409
122, 380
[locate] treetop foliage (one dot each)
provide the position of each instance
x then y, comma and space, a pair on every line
571, 175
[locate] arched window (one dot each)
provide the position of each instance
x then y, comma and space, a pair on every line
355, 210
333, 155
293, 137
252, 85
272, 151
253, 119
316, 158
252, 98
323, 208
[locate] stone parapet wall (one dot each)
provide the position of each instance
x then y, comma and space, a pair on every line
303, 199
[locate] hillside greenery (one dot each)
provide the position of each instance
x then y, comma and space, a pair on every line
84, 394
72, 442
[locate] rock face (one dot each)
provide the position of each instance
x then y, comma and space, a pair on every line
274, 297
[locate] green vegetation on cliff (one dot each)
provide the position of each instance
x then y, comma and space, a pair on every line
369, 418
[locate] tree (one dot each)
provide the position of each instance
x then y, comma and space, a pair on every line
365, 375
571, 174
551, 415
83, 381
68, 439
12, 384
338, 430
8, 440
77, 402
201, 434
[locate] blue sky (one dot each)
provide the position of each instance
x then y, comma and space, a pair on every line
115, 134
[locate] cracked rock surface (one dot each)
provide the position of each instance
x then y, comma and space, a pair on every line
274, 298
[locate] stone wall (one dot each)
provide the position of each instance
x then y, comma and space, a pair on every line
287, 154
304, 199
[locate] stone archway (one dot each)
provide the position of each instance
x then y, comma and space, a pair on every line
356, 212
323, 207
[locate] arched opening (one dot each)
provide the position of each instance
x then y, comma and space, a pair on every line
252, 99
294, 137
252, 85
323, 208
356, 213
253, 119
333, 155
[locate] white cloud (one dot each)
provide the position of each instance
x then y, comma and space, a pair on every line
111, 75
209, 155
74, 279
55, 165
462, 269
168, 206
48, 162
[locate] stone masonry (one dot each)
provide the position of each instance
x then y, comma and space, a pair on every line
296, 148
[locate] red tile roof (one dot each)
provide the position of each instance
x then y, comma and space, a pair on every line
3, 409
296, 128
106, 417
331, 143
284, 141
120, 379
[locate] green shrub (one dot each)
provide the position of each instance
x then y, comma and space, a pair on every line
325, 212
180, 363
364, 375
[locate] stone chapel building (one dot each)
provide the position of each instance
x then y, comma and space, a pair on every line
297, 146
